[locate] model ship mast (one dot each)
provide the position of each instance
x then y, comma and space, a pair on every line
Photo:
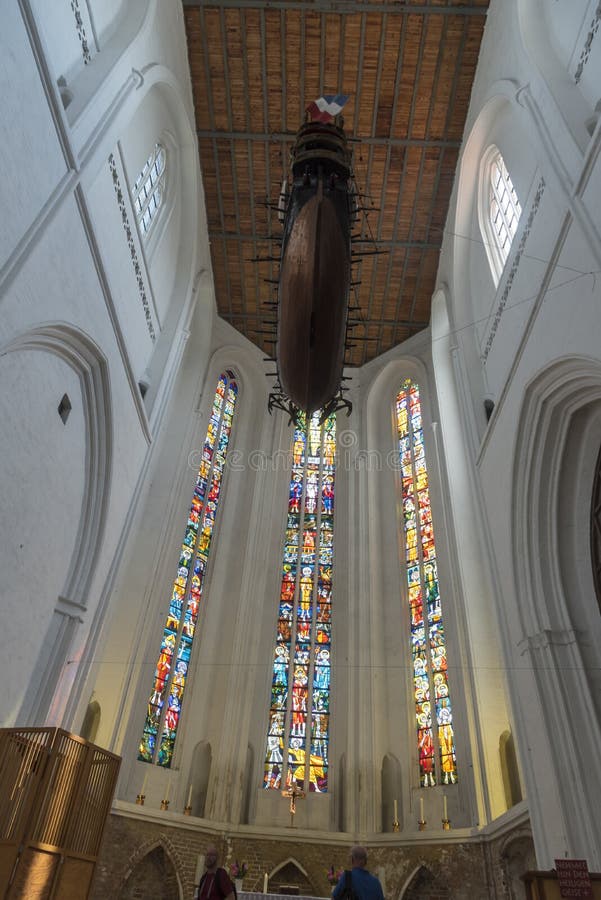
315, 265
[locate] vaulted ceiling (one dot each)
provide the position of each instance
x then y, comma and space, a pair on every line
407, 67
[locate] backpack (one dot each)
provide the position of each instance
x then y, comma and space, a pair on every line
218, 884
348, 892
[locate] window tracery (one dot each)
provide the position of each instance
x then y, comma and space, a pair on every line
500, 210
431, 694
172, 668
149, 188
299, 714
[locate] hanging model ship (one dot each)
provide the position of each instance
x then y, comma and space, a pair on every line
318, 210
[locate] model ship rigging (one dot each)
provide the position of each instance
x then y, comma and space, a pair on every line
318, 206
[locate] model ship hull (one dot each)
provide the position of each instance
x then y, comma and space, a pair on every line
315, 269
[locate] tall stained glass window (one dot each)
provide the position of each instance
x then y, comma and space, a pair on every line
433, 713
171, 673
299, 714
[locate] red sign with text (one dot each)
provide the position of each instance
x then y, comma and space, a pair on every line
573, 878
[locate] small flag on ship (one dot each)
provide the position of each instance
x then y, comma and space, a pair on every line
326, 108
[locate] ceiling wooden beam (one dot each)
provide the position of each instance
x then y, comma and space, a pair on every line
289, 138
407, 67
383, 243
261, 315
343, 7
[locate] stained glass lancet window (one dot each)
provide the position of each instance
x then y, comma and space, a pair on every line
171, 673
299, 714
428, 647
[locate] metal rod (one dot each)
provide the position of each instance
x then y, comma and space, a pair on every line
290, 137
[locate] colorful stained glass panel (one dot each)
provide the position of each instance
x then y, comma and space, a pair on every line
304, 619
165, 702
428, 647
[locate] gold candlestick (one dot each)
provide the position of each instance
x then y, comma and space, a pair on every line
140, 799
187, 810
421, 824
446, 824
164, 804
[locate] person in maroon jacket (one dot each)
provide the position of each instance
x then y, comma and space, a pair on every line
215, 883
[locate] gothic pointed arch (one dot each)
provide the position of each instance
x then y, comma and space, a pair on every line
430, 689
84, 356
424, 882
499, 209
483, 273
200, 772
153, 870
75, 349
249, 785
517, 857
509, 769
555, 622
342, 789
188, 592
292, 876
596, 529
392, 792
298, 731
91, 721
148, 189
388, 545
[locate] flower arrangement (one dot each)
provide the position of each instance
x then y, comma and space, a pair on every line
238, 870
333, 876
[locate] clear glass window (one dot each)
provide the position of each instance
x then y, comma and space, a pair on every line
149, 188
504, 207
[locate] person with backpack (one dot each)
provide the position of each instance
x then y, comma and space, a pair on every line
215, 883
358, 883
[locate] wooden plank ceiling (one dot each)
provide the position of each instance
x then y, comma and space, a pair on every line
408, 68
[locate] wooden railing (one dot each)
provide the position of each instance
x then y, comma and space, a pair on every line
56, 791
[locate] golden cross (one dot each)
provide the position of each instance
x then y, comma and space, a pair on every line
294, 793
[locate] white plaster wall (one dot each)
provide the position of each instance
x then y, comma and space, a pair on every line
45, 291
105, 16
546, 314
221, 645
70, 317
227, 703
572, 32
31, 157
565, 22
125, 290
227, 700
227, 696
152, 123
65, 264
554, 86
42, 470
478, 694
58, 28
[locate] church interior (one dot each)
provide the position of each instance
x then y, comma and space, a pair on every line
287, 634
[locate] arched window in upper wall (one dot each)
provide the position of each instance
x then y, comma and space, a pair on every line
499, 210
165, 701
435, 736
299, 714
149, 188
596, 530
